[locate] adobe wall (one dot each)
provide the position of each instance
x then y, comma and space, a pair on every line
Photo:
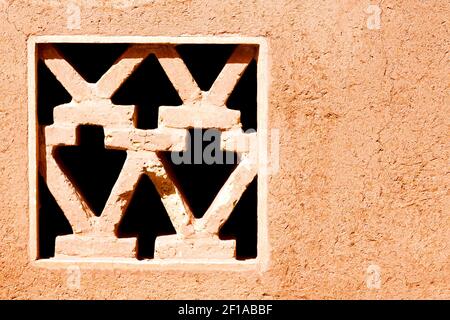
362, 107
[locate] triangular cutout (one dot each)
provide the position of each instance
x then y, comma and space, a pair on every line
146, 218
205, 61
242, 224
51, 221
244, 97
91, 168
50, 93
199, 182
91, 60
148, 88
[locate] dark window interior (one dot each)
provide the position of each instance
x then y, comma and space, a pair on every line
205, 61
91, 60
145, 218
147, 88
94, 169
90, 167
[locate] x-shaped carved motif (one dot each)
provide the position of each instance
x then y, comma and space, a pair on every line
91, 104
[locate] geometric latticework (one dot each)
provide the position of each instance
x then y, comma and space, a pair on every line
95, 235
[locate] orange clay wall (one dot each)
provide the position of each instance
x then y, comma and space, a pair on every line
359, 93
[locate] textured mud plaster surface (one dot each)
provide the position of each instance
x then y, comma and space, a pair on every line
364, 149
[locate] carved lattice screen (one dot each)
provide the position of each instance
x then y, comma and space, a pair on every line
95, 235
